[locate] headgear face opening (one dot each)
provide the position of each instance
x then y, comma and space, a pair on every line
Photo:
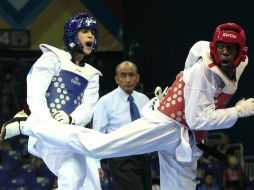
72, 27
229, 33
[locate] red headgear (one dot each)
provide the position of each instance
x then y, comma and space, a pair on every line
229, 33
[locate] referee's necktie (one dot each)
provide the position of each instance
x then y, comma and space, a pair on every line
133, 109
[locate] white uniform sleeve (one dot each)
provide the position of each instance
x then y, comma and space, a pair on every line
196, 52
38, 81
199, 96
84, 112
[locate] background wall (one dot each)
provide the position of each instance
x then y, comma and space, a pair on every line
45, 20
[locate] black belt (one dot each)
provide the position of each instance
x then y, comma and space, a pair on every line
213, 152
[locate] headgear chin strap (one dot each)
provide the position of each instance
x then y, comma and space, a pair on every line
73, 25
229, 33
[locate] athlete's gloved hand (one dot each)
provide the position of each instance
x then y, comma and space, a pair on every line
245, 108
63, 117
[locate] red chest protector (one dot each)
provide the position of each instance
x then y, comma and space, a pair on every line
173, 104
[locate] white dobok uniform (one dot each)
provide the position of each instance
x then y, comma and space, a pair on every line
55, 83
192, 103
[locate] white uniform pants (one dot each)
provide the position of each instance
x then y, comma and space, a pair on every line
147, 134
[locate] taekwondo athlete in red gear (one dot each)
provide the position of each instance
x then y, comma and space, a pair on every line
179, 118
60, 85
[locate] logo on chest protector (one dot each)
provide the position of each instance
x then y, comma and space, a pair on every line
75, 81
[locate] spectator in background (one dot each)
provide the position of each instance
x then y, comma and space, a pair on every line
233, 176
212, 165
209, 182
113, 111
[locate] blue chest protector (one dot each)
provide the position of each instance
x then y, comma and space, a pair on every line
67, 87
65, 92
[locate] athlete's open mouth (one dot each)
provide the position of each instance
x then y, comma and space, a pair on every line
89, 44
225, 62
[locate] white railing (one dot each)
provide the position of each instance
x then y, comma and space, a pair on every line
249, 167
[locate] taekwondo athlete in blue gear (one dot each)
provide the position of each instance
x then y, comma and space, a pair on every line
62, 86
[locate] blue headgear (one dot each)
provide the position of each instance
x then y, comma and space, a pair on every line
73, 25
